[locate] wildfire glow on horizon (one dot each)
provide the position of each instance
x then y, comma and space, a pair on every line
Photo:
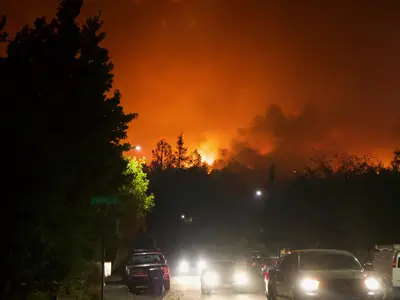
202, 68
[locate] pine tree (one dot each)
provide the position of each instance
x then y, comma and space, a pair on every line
67, 135
162, 156
195, 159
181, 158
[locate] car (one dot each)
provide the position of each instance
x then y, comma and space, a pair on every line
396, 271
147, 269
225, 274
191, 264
267, 263
322, 274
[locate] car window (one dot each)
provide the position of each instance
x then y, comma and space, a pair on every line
398, 260
289, 262
328, 261
148, 258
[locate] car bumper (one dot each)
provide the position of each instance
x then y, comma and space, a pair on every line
325, 295
142, 283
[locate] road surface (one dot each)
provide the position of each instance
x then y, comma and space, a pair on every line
184, 288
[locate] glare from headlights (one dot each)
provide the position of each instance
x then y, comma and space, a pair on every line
241, 278
201, 265
211, 278
372, 284
309, 285
184, 267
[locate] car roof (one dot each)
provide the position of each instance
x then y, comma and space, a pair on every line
147, 252
327, 251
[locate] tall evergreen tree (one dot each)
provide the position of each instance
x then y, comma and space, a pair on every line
181, 158
195, 159
162, 156
66, 139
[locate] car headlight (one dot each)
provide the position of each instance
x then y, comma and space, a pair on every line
372, 284
201, 265
184, 267
309, 285
211, 278
241, 278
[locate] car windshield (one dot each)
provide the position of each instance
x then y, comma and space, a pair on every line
147, 258
316, 261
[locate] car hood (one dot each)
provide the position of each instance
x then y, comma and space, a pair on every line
335, 274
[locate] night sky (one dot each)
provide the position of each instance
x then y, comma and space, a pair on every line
209, 67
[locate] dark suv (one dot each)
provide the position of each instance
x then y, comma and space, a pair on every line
147, 269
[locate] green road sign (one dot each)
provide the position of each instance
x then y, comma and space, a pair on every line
103, 200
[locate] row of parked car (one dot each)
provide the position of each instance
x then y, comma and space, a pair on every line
300, 274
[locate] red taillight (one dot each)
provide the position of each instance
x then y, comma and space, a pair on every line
394, 262
253, 264
266, 275
166, 272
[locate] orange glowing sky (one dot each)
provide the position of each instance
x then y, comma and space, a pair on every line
208, 67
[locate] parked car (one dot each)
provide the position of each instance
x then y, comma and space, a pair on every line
396, 271
147, 269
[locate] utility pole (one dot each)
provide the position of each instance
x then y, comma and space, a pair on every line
103, 250
103, 202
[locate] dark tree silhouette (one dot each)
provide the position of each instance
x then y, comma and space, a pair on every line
195, 159
65, 143
162, 156
181, 158
395, 163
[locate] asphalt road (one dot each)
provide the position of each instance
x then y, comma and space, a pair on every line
185, 288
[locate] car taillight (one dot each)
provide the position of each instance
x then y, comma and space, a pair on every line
394, 262
253, 264
166, 272
266, 275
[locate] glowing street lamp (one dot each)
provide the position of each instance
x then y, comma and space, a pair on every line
259, 193
182, 217
137, 148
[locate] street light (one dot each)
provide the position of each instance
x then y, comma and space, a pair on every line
259, 193
137, 148
182, 217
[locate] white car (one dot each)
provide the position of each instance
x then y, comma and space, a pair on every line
396, 270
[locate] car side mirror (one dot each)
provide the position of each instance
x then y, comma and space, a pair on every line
368, 266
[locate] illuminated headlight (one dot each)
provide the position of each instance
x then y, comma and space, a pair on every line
372, 284
309, 285
201, 265
241, 278
184, 267
211, 278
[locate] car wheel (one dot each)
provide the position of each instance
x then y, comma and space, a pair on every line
205, 291
271, 294
167, 285
132, 289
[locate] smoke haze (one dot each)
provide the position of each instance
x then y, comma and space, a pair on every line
294, 76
